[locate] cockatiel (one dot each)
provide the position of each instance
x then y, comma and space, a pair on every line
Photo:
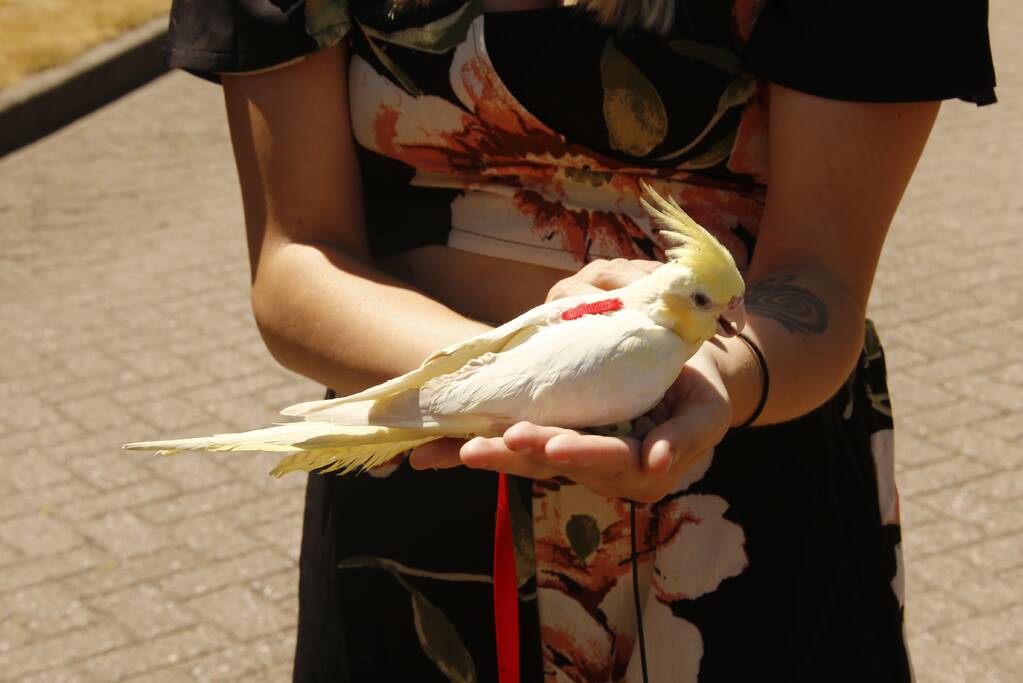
583, 361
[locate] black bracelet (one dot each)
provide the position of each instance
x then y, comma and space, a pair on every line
767, 380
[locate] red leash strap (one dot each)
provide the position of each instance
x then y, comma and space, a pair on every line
506, 593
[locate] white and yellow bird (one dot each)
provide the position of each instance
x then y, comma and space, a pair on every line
590, 360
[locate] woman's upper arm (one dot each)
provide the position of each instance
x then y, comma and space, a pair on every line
296, 159
837, 171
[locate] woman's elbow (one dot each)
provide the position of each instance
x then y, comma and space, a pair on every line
272, 321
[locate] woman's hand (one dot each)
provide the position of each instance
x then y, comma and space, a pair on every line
696, 406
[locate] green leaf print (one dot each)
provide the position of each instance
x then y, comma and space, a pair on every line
713, 156
396, 71
635, 115
327, 21
440, 640
438, 36
583, 535
736, 93
438, 637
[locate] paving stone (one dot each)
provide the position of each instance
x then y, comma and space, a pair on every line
911, 395
155, 363
284, 533
938, 475
43, 500
144, 610
108, 470
195, 503
158, 652
993, 451
258, 660
12, 634
215, 536
939, 536
912, 451
1009, 427
45, 609
278, 502
1005, 552
915, 515
977, 587
988, 389
937, 420
57, 652
37, 534
190, 470
215, 575
133, 495
34, 468
281, 587
56, 434
59, 675
170, 416
163, 676
240, 611
972, 503
1009, 656
926, 609
938, 661
37, 570
94, 413
123, 534
988, 631
113, 573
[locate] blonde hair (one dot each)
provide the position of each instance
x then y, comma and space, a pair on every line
654, 15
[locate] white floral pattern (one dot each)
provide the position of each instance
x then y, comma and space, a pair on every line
590, 634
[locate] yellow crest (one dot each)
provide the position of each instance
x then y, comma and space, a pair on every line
694, 245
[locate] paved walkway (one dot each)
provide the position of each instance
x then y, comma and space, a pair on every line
123, 292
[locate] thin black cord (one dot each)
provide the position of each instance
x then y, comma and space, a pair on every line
635, 589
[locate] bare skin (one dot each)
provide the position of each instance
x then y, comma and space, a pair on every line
327, 311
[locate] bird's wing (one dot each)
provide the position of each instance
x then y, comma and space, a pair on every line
451, 358
562, 370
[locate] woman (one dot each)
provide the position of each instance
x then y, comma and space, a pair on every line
414, 171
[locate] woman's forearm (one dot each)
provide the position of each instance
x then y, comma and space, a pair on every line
810, 334
333, 318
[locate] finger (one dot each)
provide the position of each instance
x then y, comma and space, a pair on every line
611, 274
645, 265
526, 436
492, 454
607, 454
683, 437
570, 286
439, 454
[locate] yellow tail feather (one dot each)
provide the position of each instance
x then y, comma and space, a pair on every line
345, 459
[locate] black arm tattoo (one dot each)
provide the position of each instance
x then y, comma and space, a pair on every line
796, 308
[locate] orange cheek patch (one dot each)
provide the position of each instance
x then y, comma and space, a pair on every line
595, 308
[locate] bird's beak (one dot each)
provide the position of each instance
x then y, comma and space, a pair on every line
733, 320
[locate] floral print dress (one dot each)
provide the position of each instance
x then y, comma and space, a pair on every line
526, 136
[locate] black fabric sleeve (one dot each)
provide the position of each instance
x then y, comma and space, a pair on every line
210, 37
876, 50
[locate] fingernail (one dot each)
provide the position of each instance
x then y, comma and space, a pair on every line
422, 461
663, 452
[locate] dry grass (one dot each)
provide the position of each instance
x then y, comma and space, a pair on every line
38, 34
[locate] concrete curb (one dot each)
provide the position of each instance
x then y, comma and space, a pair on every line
58, 96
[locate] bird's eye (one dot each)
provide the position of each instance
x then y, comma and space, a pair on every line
701, 299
